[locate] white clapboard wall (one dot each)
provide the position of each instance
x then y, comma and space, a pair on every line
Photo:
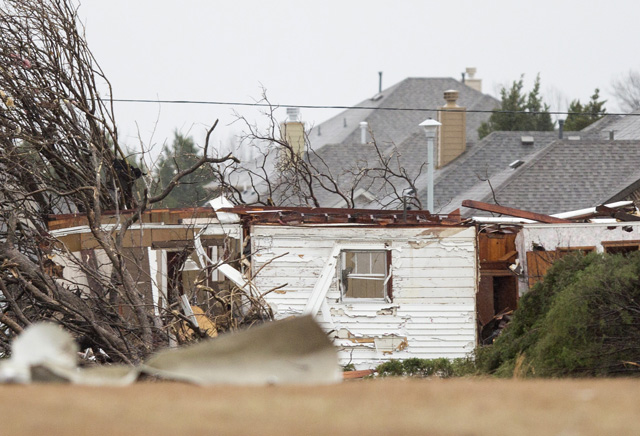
434, 280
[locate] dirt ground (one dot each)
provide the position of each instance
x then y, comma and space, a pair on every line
372, 407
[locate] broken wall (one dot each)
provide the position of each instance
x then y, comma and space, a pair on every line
539, 245
430, 314
147, 249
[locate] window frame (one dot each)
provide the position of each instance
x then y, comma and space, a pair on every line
616, 247
564, 251
386, 278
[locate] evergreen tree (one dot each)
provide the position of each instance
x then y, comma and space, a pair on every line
581, 116
182, 154
519, 111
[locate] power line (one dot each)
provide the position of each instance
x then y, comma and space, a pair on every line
310, 106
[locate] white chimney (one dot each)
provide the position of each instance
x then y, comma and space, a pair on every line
471, 81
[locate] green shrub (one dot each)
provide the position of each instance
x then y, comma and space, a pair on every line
415, 367
349, 367
582, 320
390, 368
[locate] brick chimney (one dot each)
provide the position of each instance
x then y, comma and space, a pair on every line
292, 132
452, 135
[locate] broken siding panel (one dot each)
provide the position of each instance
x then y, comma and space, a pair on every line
433, 278
73, 274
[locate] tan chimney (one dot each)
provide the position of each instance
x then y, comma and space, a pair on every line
292, 132
471, 81
452, 135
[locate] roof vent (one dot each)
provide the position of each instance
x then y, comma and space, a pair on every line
293, 114
378, 96
573, 138
516, 163
526, 140
451, 96
363, 132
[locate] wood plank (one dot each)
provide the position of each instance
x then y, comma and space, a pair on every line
538, 263
617, 214
512, 212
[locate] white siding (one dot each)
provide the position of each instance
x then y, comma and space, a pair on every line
433, 311
552, 236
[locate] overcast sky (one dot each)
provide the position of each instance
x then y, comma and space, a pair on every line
329, 52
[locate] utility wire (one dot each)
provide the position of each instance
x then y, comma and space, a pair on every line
310, 106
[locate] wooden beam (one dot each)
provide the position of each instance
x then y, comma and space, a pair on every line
617, 214
513, 212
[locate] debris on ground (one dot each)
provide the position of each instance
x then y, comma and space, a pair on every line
291, 351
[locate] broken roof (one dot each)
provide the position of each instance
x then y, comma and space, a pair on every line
347, 217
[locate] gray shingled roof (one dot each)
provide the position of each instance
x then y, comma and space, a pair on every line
602, 124
570, 175
389, 126
623, 127
480, 161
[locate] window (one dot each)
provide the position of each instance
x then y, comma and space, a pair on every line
620, 247
364, 274
564, 251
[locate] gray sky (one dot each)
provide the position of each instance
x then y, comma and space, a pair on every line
329, 52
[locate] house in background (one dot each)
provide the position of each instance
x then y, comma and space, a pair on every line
420, 95
356, 139
568, 174
385, 126
546, 172
617, 126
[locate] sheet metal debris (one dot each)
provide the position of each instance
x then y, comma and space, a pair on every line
291, 351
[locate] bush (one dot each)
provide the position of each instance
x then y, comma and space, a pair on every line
415, 367
582, 320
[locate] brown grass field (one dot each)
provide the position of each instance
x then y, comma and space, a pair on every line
371, 407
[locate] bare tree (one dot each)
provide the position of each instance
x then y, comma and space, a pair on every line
626, 90
60, 153
285, 174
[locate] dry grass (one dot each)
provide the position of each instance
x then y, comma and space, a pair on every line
375, 407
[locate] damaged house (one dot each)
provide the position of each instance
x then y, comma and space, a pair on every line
169, 251
382, 285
